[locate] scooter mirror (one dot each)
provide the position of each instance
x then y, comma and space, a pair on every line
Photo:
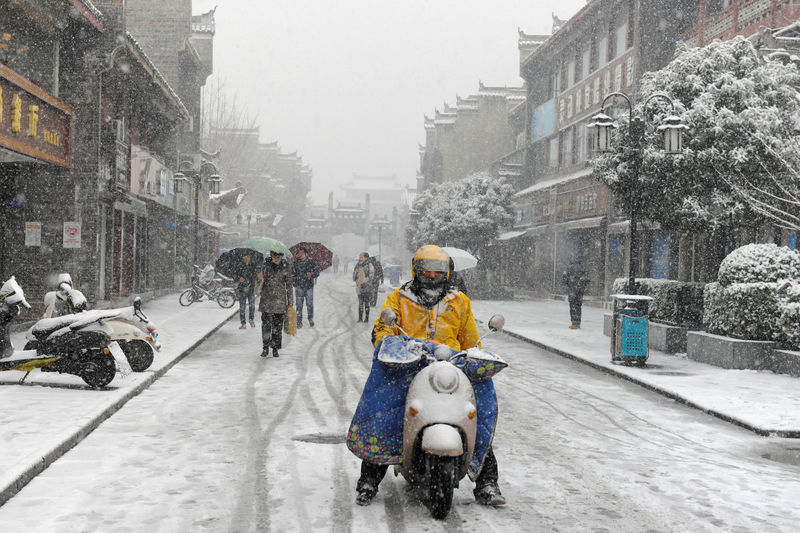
389, 317
137, 304
497, 322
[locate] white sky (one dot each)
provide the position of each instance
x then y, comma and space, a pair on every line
346, 83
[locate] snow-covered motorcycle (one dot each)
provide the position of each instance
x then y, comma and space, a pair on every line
75, 344
131, 329
429, 410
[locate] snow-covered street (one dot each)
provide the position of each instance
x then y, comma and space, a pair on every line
229, 441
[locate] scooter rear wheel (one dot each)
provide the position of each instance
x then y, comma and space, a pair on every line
442, 482
99, 371
139, 354
187, 297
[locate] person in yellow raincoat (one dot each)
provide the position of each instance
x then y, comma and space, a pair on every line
427, 307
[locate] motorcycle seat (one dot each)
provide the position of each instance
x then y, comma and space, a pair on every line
43, 328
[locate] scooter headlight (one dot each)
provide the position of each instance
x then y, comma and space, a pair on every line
445, 379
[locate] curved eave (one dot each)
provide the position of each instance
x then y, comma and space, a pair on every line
89, 12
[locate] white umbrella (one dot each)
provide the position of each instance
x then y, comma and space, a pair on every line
462, 259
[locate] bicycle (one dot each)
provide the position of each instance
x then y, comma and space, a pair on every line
208, 286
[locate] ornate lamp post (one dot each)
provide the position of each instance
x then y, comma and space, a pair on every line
672, 130
187, 173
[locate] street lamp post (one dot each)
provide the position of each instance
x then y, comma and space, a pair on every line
187, 173
672, 130
379, 225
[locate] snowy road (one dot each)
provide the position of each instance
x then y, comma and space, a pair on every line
228, 441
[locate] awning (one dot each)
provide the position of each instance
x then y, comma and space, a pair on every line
622, 227
581, 223
213, 224
539, 230
509, 235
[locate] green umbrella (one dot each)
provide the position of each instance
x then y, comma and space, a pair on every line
266, 244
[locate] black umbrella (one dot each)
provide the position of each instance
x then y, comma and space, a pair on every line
231, 263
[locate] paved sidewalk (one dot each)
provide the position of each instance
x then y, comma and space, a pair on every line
760, 401
42, 419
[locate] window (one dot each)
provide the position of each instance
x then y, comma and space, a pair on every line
565, 157
570, 74
585, 62
622, 38
611, 41
580, 142
552, 162
557, 78
602, 51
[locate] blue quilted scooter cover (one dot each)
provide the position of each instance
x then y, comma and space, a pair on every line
376, 432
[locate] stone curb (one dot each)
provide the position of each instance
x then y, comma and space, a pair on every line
792, 434
7, 492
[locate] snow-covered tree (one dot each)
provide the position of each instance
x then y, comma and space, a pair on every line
465, 213
740, 152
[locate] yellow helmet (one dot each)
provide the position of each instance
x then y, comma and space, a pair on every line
430, 257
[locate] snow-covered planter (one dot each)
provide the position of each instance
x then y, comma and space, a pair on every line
789, 325
754, 263
677, 303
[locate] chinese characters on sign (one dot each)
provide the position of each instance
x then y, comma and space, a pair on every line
32, 121
33, 234
72, 234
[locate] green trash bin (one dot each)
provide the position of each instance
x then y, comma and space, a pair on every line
629, 329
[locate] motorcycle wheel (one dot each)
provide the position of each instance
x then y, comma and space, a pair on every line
187, 297
98, 371
226, 299
442, 481
139, 354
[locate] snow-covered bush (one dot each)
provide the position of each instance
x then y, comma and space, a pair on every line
679, 303
742, 310
754, 263
745, 303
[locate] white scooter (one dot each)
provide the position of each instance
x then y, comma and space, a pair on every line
133, 331
74, 344
440, 420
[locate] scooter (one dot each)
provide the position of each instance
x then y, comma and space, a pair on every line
75, 344
133, 331
449, 413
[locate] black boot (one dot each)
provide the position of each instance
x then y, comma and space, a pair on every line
265, 352
274, 352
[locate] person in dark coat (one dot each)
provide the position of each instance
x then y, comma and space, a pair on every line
335, 264
276, 296
305, 273
575, 279
246, 274
377, 280
363, 274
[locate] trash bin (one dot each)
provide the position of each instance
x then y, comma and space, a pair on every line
629, 329
394, 275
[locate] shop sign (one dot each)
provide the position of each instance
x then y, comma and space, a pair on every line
33, 234
32, 121
72, 234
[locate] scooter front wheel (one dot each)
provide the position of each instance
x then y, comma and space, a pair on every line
187, 297
139, 354
442, 481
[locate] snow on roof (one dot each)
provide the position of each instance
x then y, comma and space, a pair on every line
148, 64
555, 181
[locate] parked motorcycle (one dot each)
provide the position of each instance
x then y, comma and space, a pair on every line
449, 410
205, 283
75, 344
131, 329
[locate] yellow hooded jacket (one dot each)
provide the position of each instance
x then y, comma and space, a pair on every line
449, 322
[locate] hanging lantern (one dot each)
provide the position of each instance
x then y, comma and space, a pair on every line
213, 183
602, 137
177, 182
672, 130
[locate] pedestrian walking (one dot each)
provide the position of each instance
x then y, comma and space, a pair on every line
276, 297
346, 263
455, 280
305, 273
335, 264
363, 274
376, 281
575, 279
246, 274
